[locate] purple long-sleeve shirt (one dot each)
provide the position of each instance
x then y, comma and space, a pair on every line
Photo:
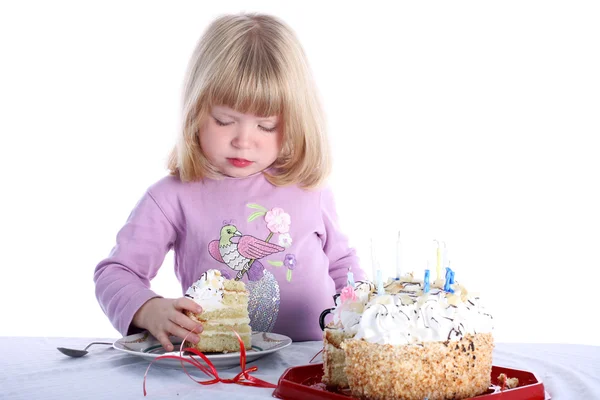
288, 236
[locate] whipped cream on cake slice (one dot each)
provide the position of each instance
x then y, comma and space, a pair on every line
224, 305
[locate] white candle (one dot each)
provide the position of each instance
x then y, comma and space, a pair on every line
428, 267
350, 279
438, 259
444, 257
380, 289
374, 265
398, 258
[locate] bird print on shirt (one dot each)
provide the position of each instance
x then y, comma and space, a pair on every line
243, 253
240, 255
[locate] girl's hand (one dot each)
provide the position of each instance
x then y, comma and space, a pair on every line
164, 317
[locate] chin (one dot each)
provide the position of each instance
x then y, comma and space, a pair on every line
236, 173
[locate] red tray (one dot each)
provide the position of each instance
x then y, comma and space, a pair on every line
303, 382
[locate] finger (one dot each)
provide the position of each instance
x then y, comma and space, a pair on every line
187, 323
184, 303
184, 334
163, 338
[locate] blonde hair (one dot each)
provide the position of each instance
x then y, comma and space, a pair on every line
254, 63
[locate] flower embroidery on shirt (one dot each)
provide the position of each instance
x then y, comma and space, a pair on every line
278, 222
285, 240
290, 263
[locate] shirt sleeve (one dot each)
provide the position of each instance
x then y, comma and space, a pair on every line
123, 279
342, 258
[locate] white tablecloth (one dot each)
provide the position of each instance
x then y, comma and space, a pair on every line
32, 368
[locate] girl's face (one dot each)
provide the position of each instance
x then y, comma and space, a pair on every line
237, 144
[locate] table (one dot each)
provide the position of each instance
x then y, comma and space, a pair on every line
32, 368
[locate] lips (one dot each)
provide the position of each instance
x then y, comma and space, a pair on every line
239, 162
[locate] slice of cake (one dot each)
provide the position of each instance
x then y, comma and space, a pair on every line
225, 310
409, 343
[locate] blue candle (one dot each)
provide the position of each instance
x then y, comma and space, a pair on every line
449, 280
380, 289
426, 282
350, 279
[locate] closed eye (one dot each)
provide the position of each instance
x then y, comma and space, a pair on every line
262, 128
273, 129
221, 123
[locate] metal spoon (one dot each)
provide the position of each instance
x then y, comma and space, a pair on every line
79, 353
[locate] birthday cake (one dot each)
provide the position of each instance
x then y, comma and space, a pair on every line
409, 340
224, 310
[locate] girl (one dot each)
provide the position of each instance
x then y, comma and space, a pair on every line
243, 195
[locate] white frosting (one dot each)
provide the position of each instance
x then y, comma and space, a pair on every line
406, 315
208, 290
348, 313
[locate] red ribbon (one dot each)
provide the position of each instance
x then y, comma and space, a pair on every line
315, 356
243, 378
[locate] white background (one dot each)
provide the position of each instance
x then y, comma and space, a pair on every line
468, 122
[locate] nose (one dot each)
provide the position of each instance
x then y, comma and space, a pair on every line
243, 136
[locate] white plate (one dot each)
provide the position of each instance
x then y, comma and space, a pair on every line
146, 346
